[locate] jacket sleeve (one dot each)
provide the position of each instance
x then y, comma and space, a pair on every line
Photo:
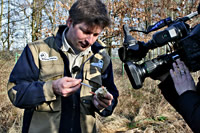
108, 82
24, 88
187, 104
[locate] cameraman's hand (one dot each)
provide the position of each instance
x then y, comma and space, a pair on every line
182, 78
102, 102
66, 86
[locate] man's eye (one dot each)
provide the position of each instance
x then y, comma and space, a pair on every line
87, 32
96, 34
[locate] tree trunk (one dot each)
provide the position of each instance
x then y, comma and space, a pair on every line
54, 16
9, 44
1, 17
33, 20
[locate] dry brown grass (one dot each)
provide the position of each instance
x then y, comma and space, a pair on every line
138, 111
141, 111
10, 117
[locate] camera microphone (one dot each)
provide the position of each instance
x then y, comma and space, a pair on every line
191, 15
75, 69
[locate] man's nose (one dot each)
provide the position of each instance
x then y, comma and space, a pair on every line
90, 38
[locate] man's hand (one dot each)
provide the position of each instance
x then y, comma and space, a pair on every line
102, 102
66, 86
182, 78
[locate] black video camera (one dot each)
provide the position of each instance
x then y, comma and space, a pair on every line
186, 45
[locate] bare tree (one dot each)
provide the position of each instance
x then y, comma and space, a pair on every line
1, 18
40, 17
9, 41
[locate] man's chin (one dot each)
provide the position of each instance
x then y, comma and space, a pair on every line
83, 49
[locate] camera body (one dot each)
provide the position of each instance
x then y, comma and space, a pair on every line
186, 45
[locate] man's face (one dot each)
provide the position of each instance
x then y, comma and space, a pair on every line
82, 36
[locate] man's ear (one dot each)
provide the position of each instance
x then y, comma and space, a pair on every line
69, 22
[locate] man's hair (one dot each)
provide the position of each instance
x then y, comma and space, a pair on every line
91, 12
